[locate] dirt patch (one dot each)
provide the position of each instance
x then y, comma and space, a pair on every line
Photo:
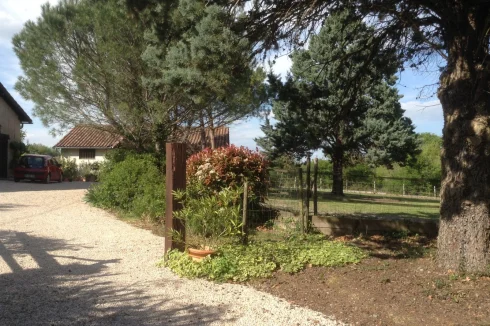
399, 284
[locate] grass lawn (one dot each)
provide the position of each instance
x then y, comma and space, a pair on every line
363, 204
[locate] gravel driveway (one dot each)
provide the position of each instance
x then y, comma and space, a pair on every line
64, 262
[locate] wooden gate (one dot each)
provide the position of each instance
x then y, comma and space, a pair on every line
4, 151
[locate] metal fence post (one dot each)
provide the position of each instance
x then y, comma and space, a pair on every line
308, 192
315, 187
245, 213
302, 199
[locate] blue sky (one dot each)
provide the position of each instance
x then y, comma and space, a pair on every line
426, 113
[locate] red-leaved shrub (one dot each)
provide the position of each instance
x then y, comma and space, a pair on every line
229, 167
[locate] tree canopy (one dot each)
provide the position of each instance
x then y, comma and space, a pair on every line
455, 34
204, 61
82, 64
345, 107
92, 62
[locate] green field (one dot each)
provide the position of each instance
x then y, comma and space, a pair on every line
363, 205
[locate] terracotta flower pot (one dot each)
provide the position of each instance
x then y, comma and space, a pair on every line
199, 254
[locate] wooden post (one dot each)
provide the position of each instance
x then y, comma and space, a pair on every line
245, 214
175, 180
308, 192
301, 200
315, 187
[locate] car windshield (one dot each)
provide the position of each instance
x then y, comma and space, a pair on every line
32, 162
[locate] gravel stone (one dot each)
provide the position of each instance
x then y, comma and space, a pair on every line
63, 262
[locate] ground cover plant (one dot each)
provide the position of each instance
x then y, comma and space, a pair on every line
364, 204
260, 259
398, 283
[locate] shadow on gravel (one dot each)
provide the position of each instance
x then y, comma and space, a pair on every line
8, 207
45, 292
11, 186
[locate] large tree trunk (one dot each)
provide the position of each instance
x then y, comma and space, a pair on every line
338, 162
464, 234
202, 130
211, 130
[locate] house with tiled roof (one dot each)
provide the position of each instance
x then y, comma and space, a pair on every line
89, 144
12, 119
221, 139
86, 143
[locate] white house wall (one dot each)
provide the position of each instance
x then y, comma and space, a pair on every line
73, 154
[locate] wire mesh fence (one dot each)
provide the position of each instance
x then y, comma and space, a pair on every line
364, 195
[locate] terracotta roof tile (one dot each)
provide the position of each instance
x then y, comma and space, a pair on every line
221, 137
83, 136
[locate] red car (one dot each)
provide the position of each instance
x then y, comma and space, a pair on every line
38, 167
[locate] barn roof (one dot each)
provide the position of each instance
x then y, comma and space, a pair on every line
85, 136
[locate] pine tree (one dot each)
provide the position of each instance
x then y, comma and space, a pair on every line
343, 107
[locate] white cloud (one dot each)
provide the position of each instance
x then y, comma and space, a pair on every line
427, 110
243, 134
282, 65
38, 134
13, 15
426, 116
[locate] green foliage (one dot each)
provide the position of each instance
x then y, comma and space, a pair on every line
82, 64
18, 148
89, 171
340, 98
426, 165
210, 216
284, 161
69, 167
41, 149
359, 172
229, 167
419, 33
134, 186
428, 161
114, 157
148, 77
195, 54
261, 259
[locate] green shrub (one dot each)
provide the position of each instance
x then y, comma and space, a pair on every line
41, 149
114, 157
210, 217
18, 148
261, 259
89, 171
133, 185
70, 168
229, 167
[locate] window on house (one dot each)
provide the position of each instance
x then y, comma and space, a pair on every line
86, 154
